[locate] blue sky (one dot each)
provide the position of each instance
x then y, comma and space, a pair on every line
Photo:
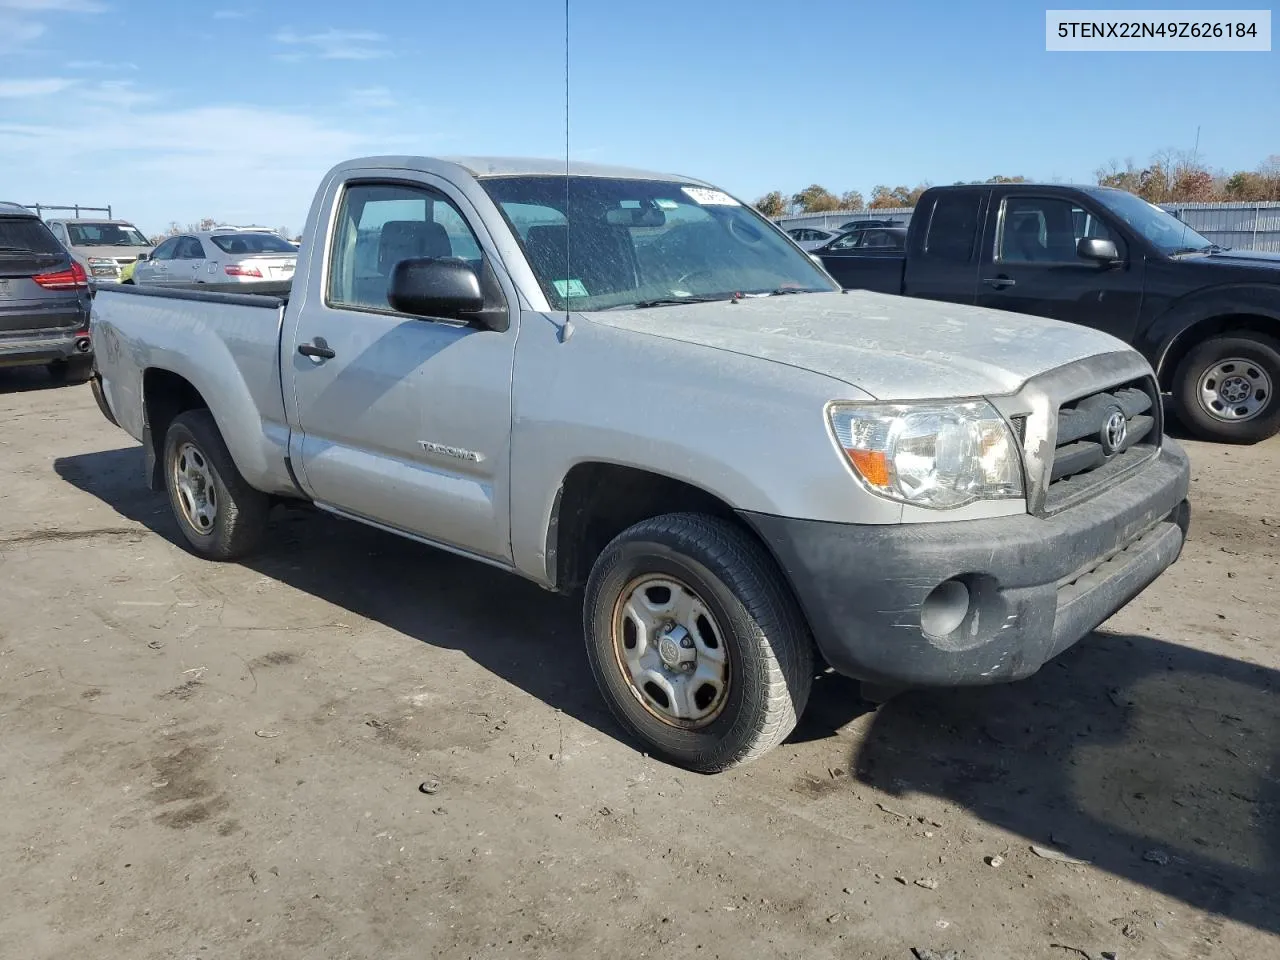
175, 110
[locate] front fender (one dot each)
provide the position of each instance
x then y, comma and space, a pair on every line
1163, 335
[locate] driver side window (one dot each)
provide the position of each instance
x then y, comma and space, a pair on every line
165, 250
380, 224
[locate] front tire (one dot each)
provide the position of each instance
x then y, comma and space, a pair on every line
1225, 388
221, 517
696, 643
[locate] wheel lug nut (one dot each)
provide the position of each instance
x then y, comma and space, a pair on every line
686, 642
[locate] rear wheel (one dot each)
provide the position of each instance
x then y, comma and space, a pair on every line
1225, 388
695, 641
75, 370
220, 515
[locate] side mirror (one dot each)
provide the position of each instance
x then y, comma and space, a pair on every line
426, 287
1103, 251
144, 256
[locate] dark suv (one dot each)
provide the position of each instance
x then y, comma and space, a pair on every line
44, 299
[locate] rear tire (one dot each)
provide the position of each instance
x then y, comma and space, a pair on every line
1225, 388
221, 517
727, 655
75, 370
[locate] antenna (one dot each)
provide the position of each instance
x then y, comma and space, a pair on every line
566, 329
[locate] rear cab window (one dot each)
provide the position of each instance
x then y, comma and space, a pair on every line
952, 233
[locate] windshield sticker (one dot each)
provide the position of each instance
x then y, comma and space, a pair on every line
708, 197
667, 204
571, 288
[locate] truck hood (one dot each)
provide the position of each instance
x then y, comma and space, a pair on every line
1268, 264
894, 348
109, 252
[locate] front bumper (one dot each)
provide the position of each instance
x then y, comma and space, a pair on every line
1034, 585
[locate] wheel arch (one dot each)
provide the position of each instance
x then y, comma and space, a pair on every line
165, 394
598, 500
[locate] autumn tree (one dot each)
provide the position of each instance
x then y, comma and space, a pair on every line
772, 204
816, 199
1000, 178
851, 200
881, 196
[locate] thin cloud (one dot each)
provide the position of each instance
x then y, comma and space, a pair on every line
371, 98
100, 65
16, 34
54, 6
38, 87
334, 44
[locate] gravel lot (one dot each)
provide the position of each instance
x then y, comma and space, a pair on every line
212, 761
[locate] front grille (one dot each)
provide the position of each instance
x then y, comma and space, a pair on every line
1091, 450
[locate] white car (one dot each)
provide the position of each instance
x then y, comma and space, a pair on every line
218, 256
810, 238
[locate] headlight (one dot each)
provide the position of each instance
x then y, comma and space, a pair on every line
937, 455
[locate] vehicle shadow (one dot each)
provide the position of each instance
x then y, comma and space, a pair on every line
1155, 762
28, 379
513, 628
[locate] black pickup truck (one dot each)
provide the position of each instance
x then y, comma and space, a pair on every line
1207, 319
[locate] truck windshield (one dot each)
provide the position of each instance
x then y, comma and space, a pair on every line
1166, 232
105, 235
597, 243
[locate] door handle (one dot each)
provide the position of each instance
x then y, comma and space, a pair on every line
316, 351
999, 282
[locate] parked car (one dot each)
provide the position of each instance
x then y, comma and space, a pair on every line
877, 239
44, 299
678, 412
809, 238
867, 224
1207, 319
102, 247
219, 257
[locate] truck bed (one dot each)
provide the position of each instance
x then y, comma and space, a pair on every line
217, 337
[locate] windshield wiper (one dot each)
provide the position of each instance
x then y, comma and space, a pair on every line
668, 302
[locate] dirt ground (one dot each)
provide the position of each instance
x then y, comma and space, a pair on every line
213, 761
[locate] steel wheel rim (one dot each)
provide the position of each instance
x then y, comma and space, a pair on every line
1234, 390
197, 493
671, 651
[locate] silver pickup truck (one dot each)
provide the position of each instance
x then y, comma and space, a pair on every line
633, 385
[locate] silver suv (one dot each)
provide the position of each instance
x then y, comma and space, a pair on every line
102, 247
44, 298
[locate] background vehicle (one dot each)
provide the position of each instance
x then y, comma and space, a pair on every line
917, 494
219, 256
867, 224
101, 247
44, 298
809, 238
1207, 319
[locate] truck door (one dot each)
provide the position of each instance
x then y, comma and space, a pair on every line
402, 420
1032, 265
942, 249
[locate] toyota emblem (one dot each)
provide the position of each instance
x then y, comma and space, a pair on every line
1114, 432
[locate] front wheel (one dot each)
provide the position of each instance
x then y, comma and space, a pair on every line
220, 515
1225, 388
696, 643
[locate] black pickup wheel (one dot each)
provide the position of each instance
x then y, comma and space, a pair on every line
1225, 388
220, 515
695, 641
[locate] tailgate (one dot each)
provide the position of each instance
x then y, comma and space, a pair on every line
27, 308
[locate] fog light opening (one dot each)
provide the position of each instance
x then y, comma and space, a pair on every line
945, 608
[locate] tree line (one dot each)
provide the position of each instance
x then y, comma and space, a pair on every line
1171, 176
